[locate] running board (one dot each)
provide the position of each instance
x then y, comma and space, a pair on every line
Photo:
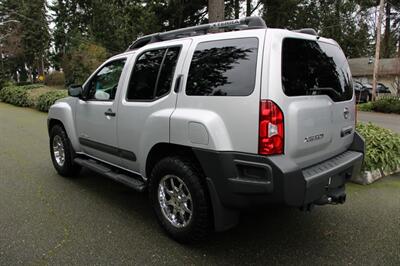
103, 169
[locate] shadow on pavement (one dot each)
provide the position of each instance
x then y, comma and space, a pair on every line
279, 231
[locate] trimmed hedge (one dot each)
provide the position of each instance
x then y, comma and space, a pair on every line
382, 147
385, 104
15, 95
31, 86
49, 98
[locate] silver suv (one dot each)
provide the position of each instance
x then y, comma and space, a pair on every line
212, 123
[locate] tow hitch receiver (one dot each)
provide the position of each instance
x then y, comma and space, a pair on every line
337, 196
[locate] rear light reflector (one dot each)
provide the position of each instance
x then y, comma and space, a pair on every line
271, 129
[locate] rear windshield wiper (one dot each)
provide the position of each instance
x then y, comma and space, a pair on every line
325, 89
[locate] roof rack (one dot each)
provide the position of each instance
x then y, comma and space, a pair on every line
236, 24
309, 31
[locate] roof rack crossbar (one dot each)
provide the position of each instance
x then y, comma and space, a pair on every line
243, 23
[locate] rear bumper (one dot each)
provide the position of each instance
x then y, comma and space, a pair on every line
238, 180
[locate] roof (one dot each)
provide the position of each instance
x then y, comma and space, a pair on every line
364, 66
215, 27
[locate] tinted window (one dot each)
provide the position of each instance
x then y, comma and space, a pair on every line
103, 86
315, 68
167, 71
152, 74
144, 75
223, 68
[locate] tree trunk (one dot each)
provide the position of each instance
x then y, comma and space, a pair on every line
377, 50
237, 8
248, 8
386, 38
216, 10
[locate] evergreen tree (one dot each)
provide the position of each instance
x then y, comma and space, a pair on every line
35, 34
343, 20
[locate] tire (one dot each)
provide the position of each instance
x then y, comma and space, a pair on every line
64, 165
199, 222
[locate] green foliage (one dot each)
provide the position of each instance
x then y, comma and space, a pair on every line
82, 61
386, 104
344, 21
2, 79
49, 98
55, 78
366, 107
382, 147
28, 40
15, 95
31, 86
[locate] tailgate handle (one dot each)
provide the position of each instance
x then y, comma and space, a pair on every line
346, 131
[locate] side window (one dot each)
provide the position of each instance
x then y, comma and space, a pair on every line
223, 68
167, 71
152, 74
103, 86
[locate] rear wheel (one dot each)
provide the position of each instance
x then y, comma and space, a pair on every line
61, 152
180, 199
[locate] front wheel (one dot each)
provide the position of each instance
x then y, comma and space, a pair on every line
180, 199
61, 152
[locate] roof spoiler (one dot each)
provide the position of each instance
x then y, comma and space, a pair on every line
309, 31
236, 24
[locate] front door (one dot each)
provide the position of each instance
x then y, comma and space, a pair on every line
96, 115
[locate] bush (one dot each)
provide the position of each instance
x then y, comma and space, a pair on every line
366, 107
387, 104
55, 78
382, 147
15, 95
31, 86
23, 83
49, 98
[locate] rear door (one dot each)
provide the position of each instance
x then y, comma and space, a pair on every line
310, 80
148, 100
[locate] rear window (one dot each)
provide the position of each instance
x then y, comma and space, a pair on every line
223, 68
315, 68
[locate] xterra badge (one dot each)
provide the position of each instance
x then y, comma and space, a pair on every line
312, 138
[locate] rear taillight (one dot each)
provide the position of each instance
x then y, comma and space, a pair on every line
271, 129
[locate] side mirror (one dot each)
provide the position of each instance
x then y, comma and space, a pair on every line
75, 91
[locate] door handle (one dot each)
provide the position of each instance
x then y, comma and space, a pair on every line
109, 112
178, 83
346, 131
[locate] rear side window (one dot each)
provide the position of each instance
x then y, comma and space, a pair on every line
152, 74
223, 68
315, 68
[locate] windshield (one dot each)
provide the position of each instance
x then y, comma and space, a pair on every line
315, 68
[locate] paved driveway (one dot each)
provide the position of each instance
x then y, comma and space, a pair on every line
390, 121
47, 219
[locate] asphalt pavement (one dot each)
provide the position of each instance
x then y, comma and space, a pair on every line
49, 220
390, 121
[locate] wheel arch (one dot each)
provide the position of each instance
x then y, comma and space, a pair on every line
223, 218
62, 113
162, 150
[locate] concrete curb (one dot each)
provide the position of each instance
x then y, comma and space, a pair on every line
369, 177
